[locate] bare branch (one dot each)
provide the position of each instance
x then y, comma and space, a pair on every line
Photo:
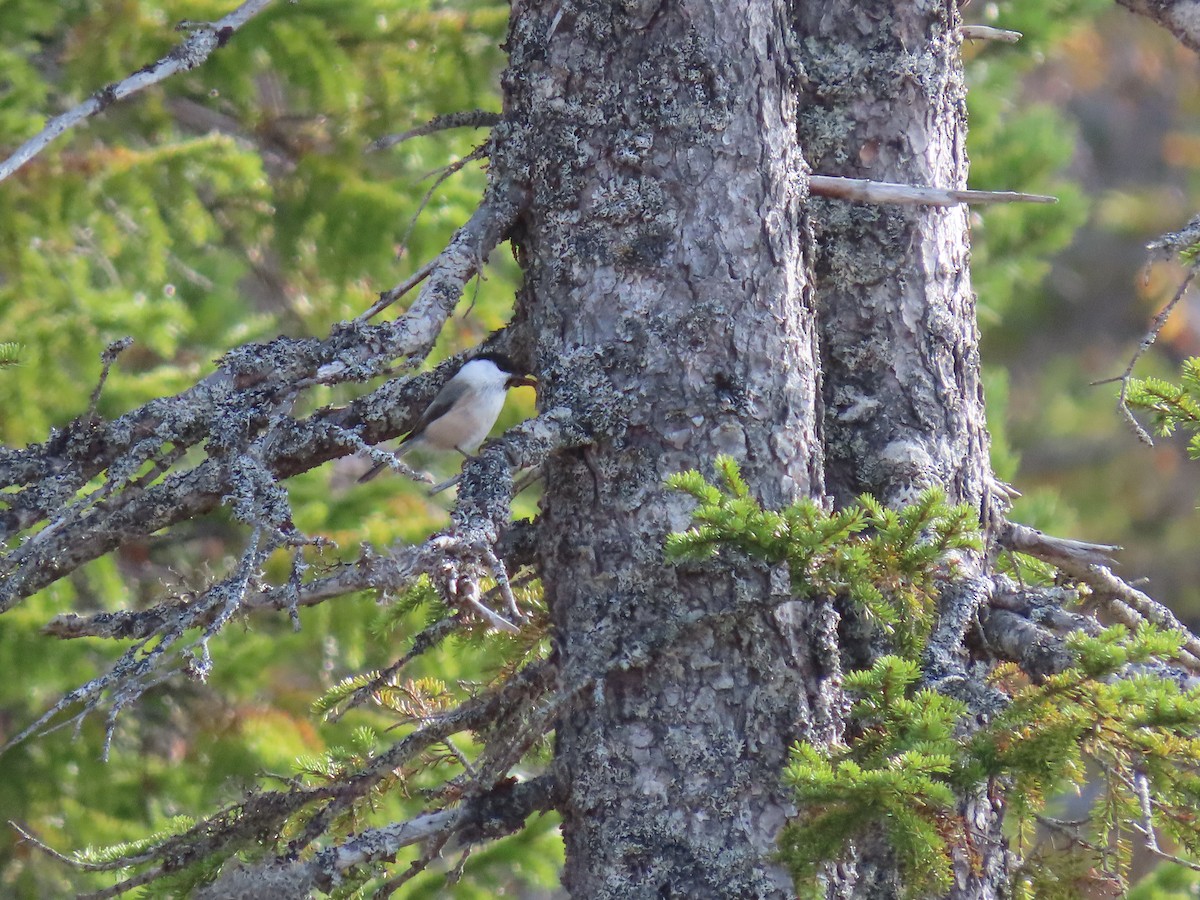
107, 358
1108, 587
220, 410
451, 271
446, 172
400, 290
860, 190
1038, 651
1067, 554
1151, 336
456, 560
1086, 563
262, 814
289, 447
127, 885
1176, 243
29, 838
474, 118
464, 553
146, 664
194, 50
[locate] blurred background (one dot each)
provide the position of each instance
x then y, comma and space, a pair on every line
1119, 98
236, 202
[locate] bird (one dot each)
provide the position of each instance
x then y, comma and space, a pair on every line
464, 410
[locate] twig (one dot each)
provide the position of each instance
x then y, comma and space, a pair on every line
474, 118
502, 582
199, 45
1140, 786
1151, 336
433, 849
456, 264
461, 757
501, 810
29, 838
988, 33
445, 485
469, 594
860, 190
1068, 830
429, 637
442, 175
454, 876
125, 886
107, 358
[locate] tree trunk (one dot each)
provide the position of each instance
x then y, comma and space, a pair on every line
669, 293
884, 99
667, 287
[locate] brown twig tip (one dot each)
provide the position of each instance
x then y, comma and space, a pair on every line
861, 190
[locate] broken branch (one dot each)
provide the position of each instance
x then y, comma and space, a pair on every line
988, 33
860, 190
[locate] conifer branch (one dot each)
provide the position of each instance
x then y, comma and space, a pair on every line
450, 271
860, 190
495, 813
10, 354
205, 38
1126, 377
499, 709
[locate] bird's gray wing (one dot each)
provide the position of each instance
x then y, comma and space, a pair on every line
439, 407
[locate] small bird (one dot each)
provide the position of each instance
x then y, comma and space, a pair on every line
464, 410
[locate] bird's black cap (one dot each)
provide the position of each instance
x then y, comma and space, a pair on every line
502, 362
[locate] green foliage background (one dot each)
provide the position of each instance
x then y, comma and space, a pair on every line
234, 203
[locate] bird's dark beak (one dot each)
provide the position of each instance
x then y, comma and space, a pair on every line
522, 381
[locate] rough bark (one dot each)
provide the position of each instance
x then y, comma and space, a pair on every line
884, 98
667, 290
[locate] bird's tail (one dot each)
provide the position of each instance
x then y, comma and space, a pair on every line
379, 467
